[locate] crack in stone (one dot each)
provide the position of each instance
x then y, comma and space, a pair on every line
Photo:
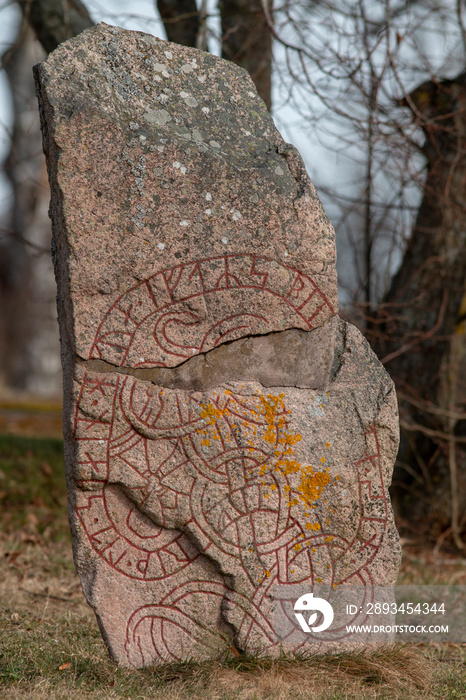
188, 507
227, 577
341, 347
293, 357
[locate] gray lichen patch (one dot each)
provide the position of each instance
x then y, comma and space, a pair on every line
142, 136
178, 87
211, 450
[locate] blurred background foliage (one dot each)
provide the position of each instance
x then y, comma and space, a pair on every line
373, 93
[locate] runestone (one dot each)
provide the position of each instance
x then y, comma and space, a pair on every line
224, 430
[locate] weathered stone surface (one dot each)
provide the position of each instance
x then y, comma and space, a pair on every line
292, 358
224, 431
167, 156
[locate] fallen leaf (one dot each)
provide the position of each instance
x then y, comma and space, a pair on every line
12, 556
32, 518
46, 469
29, 538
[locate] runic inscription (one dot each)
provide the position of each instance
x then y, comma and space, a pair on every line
226, 435
192, 308
167, 476
255, 480
219, 460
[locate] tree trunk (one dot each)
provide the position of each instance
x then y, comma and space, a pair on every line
422, 342
181, 20
55, 21
246, 36
247, 41
29, 349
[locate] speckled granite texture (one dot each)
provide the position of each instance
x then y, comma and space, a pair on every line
224, 430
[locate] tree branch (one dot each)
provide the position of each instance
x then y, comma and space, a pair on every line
181, 20
55, 21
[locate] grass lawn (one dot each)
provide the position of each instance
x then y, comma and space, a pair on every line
50, 645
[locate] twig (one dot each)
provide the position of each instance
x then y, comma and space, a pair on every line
426, 408
417, 427
201, 41
453, 467
407, 346
44, 595
439, 543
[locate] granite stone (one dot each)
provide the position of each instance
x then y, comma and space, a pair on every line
224, 430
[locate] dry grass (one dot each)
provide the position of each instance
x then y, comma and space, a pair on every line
22, 414
52, 649
50, 646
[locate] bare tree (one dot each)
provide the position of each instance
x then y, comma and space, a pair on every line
348, 72
421, 338
246, 37
28, 329
357, 67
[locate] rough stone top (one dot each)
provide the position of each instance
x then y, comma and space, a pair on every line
161, 155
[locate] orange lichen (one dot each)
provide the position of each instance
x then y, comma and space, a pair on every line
264, 418
313, 483
212, 413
